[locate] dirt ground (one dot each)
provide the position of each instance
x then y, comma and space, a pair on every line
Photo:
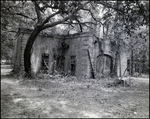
72, 98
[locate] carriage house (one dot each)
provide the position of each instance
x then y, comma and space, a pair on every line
82, 54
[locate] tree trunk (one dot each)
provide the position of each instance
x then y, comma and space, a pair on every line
27, 52
132, 63
119, 65
92, 70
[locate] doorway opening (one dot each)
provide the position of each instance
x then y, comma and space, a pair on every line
73, 65
45, 63
104, 65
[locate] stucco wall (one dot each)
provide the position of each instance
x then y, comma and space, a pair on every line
43, 45
124, 57
78, 46
18, 53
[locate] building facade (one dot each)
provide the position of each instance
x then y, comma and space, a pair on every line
82, 54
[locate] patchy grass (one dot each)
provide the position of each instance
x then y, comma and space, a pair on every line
71, 97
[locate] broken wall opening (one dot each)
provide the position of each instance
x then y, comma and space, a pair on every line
73, 65
104, 65
45, 63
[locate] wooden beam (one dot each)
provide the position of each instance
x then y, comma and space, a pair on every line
92, 71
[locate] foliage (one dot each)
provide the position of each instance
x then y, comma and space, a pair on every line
128, 23
121, 19
6, 45
13, 15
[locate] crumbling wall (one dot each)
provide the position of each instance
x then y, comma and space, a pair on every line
124, 57
42, 44
17, 53
78, 46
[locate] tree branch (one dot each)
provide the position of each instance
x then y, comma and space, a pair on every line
80, 23
25, 16
146, 18
88, 26
9, 31
35, 3
97, 20
38, 13
50, 16
47, 6
56, 23
20, 14
110, 6
60, 21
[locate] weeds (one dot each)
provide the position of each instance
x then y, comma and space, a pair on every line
120, 82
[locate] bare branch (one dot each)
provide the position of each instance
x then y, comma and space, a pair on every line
56, 23
9, 8
80, 23
25, 16
60, 21
97, 20
37, 9
37, 5
50, 16
88, 26
20, 14
47, 6
110, 6
146, 19
9, 31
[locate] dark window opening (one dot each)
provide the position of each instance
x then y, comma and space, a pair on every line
44, 63
128, 65
136, 67
60, 63
73, 65
104, 65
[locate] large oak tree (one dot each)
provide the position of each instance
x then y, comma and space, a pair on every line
48, 14
127, 11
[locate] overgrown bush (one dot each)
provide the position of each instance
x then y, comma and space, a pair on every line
119, 82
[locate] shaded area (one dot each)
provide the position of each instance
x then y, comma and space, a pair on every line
6, 102
73, 98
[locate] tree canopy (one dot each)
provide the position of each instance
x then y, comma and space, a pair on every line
130, 14
55, 16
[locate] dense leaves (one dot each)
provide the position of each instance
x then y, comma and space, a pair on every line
14, 14
121, 19
128, 22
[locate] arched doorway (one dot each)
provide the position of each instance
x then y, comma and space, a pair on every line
103, 65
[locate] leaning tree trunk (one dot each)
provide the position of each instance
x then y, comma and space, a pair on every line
132, 63
27, 52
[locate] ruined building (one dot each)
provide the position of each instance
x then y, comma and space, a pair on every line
83, 55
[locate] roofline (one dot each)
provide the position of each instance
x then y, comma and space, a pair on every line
67, 36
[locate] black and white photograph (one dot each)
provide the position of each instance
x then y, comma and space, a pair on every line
74, 59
